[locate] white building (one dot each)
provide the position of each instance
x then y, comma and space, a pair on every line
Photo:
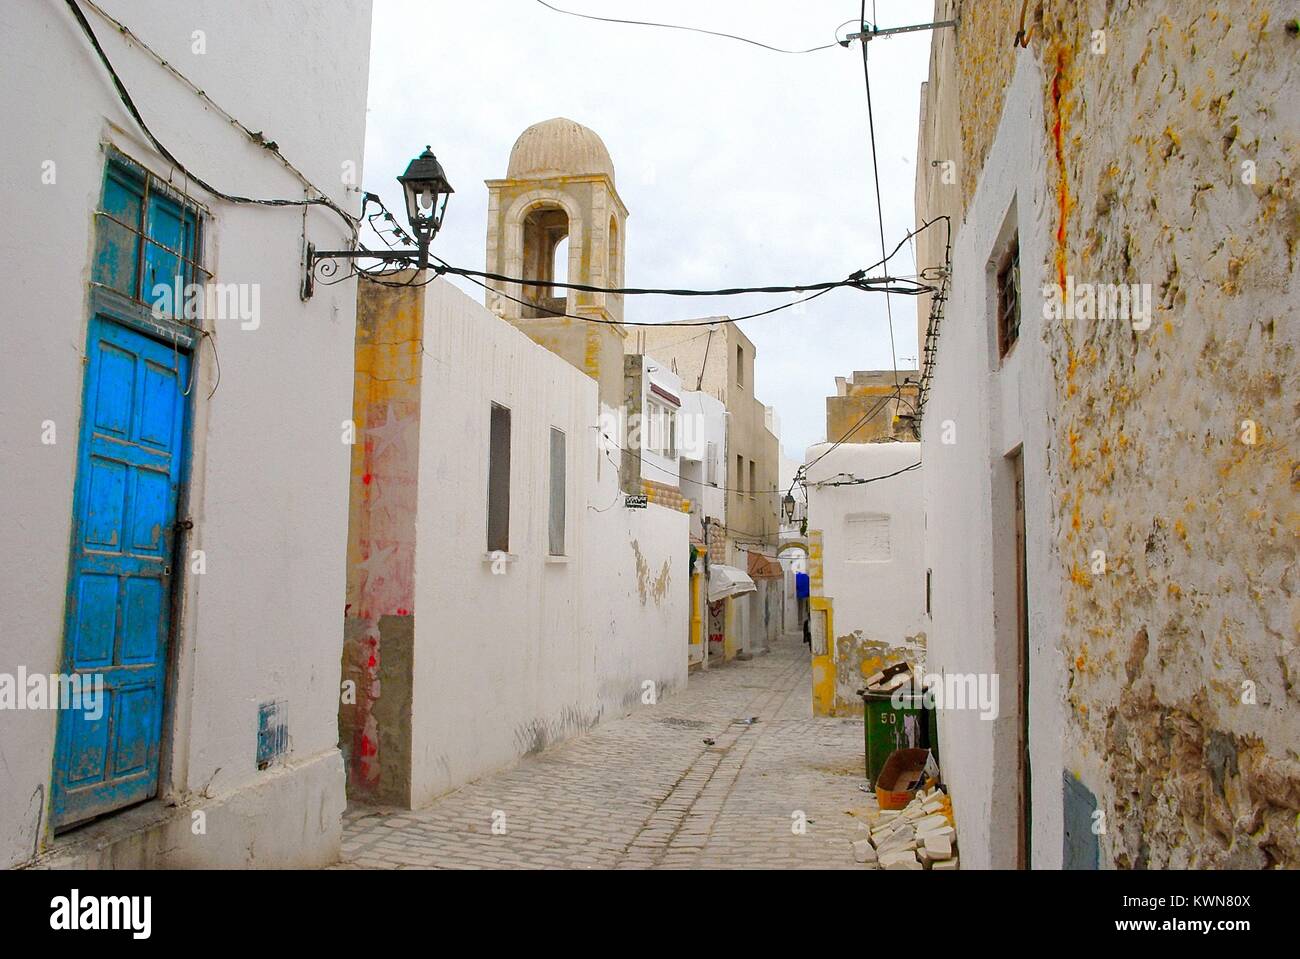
872, 559
501, 597
703, 459
184, 514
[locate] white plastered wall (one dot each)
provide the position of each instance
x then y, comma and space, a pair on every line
991, 409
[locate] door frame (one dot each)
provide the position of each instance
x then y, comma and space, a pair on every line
108, 305
1024, 809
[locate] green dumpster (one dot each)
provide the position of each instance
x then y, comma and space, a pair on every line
888, 727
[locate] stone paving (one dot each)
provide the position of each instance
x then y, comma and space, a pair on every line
645, 791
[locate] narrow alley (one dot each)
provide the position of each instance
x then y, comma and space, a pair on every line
647, 791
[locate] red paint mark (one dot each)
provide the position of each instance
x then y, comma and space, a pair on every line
373, 641
367, 747
401, 611
366, 479
372, 662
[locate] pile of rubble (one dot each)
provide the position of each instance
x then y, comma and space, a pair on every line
921, 835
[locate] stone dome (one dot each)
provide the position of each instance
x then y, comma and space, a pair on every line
558, 147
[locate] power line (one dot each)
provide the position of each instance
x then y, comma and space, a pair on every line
871, 479
675, 26
714, 321
858, 279
125, 96
875, 171
803, 470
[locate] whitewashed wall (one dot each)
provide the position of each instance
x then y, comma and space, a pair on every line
708, 419
269, 488
885, 598
509, 663
969, 508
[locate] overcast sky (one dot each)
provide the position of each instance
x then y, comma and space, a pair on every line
739, 166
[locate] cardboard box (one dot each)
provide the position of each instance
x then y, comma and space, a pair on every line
902, 768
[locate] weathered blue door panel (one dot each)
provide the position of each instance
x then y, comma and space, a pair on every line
129, 468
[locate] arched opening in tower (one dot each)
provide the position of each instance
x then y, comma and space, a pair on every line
546, 233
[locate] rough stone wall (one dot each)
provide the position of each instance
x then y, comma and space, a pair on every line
1175, 447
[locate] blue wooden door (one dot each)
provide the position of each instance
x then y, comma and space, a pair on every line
129, 468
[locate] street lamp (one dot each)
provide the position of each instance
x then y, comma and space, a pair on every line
788, 502
426, 190
424, 184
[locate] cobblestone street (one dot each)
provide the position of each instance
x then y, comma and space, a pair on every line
646, 791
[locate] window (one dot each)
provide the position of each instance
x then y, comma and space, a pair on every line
498, 532
663, 431
558, 490
146, 240
740, 366
753, 482
611, 265
711, 464
1009, 298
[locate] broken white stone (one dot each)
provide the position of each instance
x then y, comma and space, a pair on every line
938, 847
931, 822
946, 865
863, 851
912, 863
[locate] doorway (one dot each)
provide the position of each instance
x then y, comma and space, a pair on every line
130, 454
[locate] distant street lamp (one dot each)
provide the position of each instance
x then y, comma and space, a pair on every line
426, 190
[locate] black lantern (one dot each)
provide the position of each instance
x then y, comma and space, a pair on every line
427, 190
788, 502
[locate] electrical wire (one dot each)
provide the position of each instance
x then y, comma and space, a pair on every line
125, 96
858, 278
675, 26
713, 321
855, 481
875, 172
803, 470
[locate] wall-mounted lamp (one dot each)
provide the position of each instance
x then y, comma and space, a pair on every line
788, 502
426, 189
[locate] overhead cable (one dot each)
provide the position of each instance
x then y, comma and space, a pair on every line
676, 26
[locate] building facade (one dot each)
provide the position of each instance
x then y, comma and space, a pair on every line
1108, 430
718, 360
180, 422
869, 523
501, 598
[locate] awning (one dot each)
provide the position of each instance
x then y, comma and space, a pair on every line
725, 581
762, 567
